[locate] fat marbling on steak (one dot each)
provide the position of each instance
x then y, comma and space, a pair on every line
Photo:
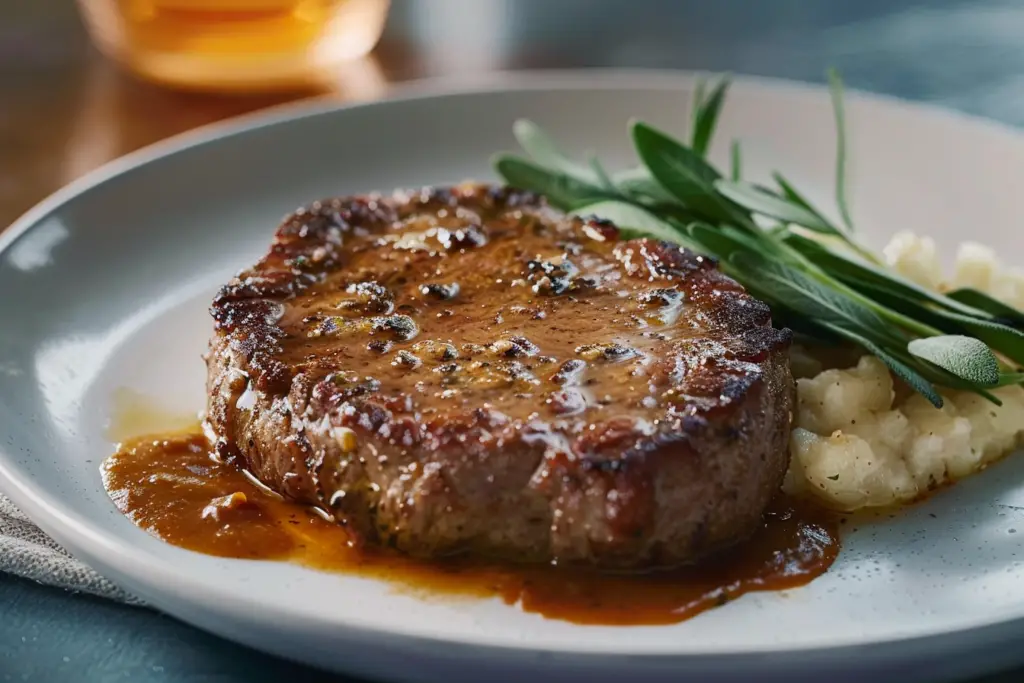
468, 370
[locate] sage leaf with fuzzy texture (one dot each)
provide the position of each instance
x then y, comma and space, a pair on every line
966, 357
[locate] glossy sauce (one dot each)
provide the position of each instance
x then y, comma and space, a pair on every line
174, 487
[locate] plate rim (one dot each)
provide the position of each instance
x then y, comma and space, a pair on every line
131, 562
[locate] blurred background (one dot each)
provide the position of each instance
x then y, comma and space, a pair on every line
171, 65
84, 82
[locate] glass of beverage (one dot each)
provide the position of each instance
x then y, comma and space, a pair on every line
243, 45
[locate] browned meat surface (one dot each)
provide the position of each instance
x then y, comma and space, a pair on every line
467, 370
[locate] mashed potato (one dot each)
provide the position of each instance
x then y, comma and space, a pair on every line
858, 441
916, 258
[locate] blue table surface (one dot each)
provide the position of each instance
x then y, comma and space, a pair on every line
962, 54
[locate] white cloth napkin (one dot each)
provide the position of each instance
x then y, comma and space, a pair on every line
26, 551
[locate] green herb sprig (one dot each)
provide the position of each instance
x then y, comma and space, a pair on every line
811, 270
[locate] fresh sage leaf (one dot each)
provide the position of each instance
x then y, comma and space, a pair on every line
713, 242
790, 193
979, 300
965, 357
759, 242
836, 89
604, 181
940, 377
765, 204
563, 191
722, 241
1007, 341
666, 151
626, 215
706, 116
543, 150
639, 182
909, 306
1010, 378
806, 295
696, 104
683, 173
853, 271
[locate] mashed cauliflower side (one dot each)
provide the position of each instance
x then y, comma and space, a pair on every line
858, 441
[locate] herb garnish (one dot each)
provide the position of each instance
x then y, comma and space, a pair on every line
811, 270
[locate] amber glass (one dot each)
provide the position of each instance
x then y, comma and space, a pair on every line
244, 45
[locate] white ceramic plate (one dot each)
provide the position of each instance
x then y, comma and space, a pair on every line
105, 286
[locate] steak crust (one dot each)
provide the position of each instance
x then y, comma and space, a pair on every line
467, 370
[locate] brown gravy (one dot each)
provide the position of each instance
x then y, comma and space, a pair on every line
173, 487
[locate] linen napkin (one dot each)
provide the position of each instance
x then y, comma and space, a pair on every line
27, 552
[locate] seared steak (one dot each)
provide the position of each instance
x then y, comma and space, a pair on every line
467, 370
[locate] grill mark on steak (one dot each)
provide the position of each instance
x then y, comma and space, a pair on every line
464, 369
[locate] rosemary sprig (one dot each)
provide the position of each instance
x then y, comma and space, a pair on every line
811, 270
